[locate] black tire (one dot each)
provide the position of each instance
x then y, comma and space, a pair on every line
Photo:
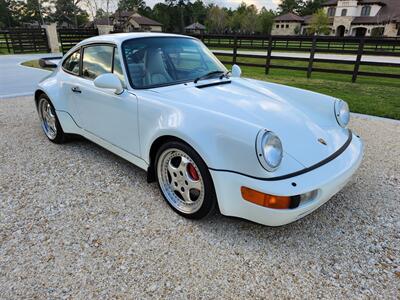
60, 137
210, 200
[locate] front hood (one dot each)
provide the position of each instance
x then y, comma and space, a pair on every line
300, 118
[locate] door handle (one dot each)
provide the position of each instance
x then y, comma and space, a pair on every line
76, 89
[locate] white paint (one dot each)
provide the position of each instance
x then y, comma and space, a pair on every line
221, 123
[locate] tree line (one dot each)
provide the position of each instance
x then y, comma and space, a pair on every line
173, 14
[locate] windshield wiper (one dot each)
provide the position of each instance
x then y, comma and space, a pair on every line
225, 74
207, 75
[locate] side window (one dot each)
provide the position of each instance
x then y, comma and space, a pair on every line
118, 67
97, 60
71, 64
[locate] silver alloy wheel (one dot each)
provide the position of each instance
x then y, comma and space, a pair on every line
47, 118
180, 181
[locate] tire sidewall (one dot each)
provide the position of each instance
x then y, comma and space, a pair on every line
209, 202
60, 136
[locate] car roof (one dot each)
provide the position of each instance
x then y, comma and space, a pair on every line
118, 38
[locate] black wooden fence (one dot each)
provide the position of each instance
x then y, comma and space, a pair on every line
23, 40
5, 42
312, 45
70, 37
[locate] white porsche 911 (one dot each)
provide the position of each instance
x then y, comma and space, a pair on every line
256, 150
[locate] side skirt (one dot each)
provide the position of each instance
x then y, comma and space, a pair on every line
69, 126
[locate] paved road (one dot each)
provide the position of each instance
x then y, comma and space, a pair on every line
369, 58
17, 80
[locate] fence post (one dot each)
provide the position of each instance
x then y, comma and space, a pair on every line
312, 54
34, 41
52, 37
268, 61
358, 60
7, 43
234, 49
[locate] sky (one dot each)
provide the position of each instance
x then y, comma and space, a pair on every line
269, 4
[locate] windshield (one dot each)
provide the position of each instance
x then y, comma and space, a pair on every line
160, 61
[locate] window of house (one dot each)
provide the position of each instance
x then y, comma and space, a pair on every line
366, 11
97, 60
287, 25
71, 64
344, 12
277, 26
282, 26
331, 11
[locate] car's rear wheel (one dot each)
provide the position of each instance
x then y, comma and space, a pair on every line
49, 121
184, 180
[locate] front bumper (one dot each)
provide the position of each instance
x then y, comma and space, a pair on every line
328, 179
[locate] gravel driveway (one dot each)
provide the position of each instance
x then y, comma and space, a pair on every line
78, 222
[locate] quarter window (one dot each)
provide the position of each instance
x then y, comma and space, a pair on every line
97, 60
71, 64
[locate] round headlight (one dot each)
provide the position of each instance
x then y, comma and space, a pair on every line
269, 150
342, 113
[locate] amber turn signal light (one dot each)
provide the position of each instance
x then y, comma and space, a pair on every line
266, 200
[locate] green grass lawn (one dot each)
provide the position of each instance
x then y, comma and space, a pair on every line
369, 95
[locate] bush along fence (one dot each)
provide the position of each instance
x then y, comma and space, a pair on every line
357, 46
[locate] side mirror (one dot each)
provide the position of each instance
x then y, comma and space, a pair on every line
236, 71
109, 81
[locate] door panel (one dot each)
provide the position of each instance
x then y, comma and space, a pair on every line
111, 117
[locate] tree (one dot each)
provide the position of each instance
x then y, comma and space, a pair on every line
160, 13
288, 6
32, 12
68, 11
131, 5
249, 21
199, 12
216, 19
265, 21
100, 13
319, 23
310, 7
5, 14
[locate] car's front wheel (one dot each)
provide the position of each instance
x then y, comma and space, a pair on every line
49, 121
184, 180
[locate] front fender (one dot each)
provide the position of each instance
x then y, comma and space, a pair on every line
224, 142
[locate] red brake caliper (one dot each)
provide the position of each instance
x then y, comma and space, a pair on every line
192, 172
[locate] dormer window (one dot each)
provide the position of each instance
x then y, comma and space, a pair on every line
331, 11
366, 11
344, 12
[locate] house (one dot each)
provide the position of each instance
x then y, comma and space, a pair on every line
348, 18
195, 28
127, 21
104, 25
